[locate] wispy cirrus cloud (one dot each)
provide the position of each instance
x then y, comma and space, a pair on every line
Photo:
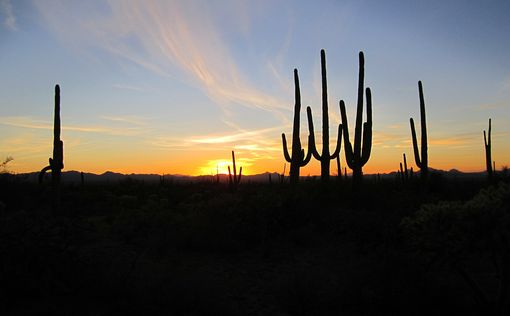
169, 38
9, 19
127, 119
232, 138
33, 123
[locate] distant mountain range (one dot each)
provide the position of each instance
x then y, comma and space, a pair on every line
75, 176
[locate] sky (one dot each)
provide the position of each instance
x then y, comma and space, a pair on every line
173, 86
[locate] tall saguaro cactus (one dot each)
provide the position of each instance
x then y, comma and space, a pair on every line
298, 158
356, 158
423, 162
488, 156
326, 156
57, 162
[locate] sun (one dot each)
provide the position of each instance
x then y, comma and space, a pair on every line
215, 166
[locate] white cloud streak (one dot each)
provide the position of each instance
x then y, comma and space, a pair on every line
31, 123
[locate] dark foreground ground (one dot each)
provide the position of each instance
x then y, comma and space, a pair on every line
200, 249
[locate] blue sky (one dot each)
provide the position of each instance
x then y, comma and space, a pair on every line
173, 86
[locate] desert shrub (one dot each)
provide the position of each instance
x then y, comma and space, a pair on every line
469, 238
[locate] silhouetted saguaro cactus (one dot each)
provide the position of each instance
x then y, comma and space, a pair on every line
406, 172
234, 182
423, 162
356, 158
488, 157
298, 158
57, 162
325, 157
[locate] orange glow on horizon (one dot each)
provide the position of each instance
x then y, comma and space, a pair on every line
188, 165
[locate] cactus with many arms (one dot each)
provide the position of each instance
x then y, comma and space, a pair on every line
298, 158
488, 157
326, 156
423, 162
56, 164
356, 158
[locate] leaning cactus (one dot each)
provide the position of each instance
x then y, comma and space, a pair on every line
57, 162
325, 157
488, 158
234, 182
423, 162
358, 157
298, 158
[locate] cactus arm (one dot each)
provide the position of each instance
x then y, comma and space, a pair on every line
285, 150
367, 131
367, 143
415, 144
239, 177
42, 172
336, 153
305, 160
359, 108
349, 156
312, 146
424, 144
309, 155
229, 176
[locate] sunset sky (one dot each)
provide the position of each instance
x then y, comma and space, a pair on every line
173, 86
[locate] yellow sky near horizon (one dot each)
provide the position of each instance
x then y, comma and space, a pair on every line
31, 149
